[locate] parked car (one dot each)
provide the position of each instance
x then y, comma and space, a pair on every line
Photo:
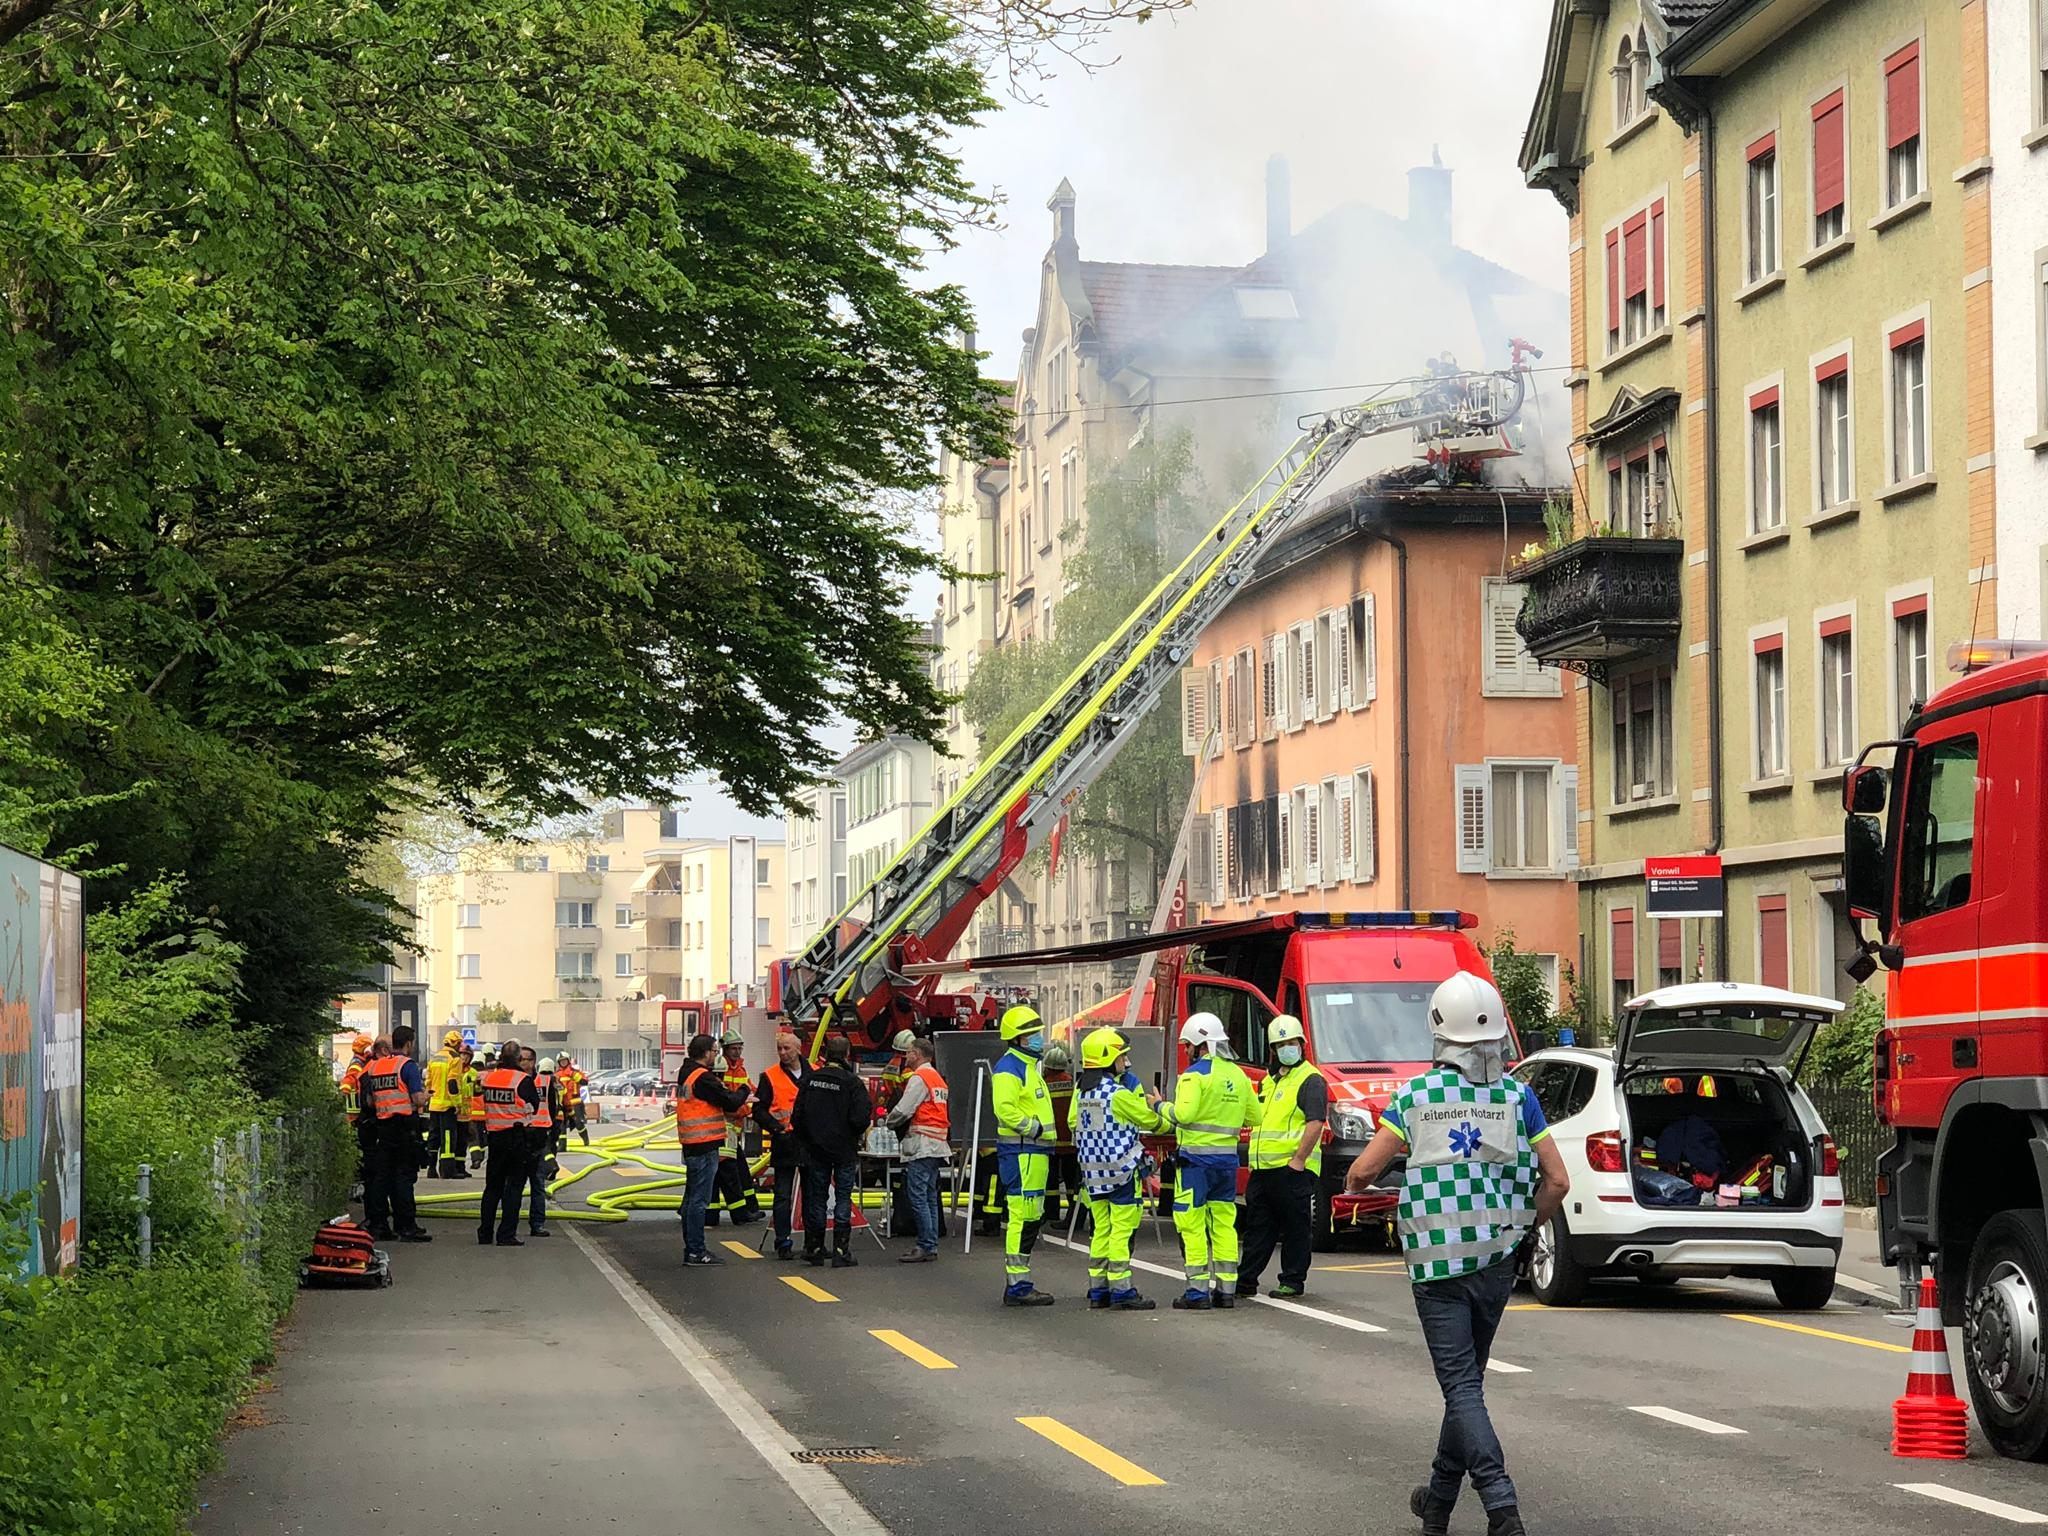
1700, 1074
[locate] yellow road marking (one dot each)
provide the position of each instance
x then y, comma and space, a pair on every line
1819, 1333
1103, 1459
804, 1287
741, 1249
904, 1345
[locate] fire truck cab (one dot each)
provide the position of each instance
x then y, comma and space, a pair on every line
1945, 848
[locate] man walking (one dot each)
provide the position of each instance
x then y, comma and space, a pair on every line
1287, 1163
1482, 1173
702, 1103
922, 1122
1109, 1112
832, 1114
1212, 1102
510, 1102
774, 1105
394, 1102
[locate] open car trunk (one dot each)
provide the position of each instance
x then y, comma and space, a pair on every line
1693, 1135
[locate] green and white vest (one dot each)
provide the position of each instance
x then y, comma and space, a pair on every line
1469, 1195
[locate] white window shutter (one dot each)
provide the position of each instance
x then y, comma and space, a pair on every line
1567, 797
1347, 683
1286, 842
1305, 673
1372, 652
1195, 717
1474, 818
1201, 860
1274, 676
1508, 669
1367, 816
1219, 855
1346, 831
1311, 837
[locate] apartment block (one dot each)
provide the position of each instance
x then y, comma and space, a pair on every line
970, 523
816, 839
2017, 143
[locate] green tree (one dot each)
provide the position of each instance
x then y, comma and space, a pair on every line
1845, 1051
1523, 988
493, 1014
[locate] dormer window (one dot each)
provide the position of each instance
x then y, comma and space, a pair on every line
1631, 79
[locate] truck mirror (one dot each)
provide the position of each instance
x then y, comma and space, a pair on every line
1868, 786
1863, 867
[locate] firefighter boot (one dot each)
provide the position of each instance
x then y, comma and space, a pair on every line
1433, 1512
842, 1258
1505, 1521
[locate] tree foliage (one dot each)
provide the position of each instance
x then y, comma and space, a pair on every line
1845, 1051
1523, 989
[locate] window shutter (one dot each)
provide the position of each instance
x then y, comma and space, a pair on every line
1311, 838
1828, 148
1621, 941
1248, 696
1773, 952
1347, 684
1219, 856
1614, 280
1366, 814
1305, 673
1272, 707
1566, 799
1902, 96
1509, 669
1194, 710
1372, 652
1201, 859
1670, 945
1474, 819
1635, 254
1657, 255
1347, 829
1286, 841
1326, 665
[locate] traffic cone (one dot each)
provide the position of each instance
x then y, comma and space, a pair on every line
1930, 1422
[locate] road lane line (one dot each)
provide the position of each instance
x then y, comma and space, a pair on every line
1704, 1426
1505, 1369
931, 1360
1981, 1505
1886, 1293
804, 1287
838, 1511
741, 1249
1818, 1333
1278, 1303
1101, 1457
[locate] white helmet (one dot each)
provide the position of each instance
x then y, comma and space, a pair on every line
903, 1041
1467, 1010
1205, 1029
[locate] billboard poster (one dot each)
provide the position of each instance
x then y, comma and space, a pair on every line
42, 1052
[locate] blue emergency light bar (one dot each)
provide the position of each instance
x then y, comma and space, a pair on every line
1448, 918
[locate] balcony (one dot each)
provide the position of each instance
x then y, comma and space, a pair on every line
578, 885
1603, 602
658, 960
658, 906
569, 987
577, 938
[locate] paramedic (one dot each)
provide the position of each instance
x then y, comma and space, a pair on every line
543, 1136
774, 1103
1287, 1163
831, 1115
1482, 1173
921, 1119
510, 1102
1109, 1112
702, 1103
1212, 1102
443, 1079
1024, 1143
394, 1097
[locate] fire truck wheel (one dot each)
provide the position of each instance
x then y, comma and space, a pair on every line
1555, 1278
2002, 1334
1322, 1230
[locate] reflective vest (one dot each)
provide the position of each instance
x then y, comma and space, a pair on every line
1023, 1105
734, 1076
697, 1123
473, 1094
389, 1098
1279, 1129
931, 1117
504, 1110
544, 1116
351, 1100
1107, 1148
572, 1088
1469, 1191
441, 1082
1211, 1104
782, 1097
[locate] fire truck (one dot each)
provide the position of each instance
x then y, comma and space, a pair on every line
1945, 849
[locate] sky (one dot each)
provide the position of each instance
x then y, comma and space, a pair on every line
1167, 141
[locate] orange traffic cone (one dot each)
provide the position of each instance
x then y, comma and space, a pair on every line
1930, 1422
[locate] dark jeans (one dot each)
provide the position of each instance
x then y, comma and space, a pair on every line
785, 1201
1459, 1318
817, 1174
508, 1162
537, 1192
391, 1163
1278, 1206
700, 1165
921, 1178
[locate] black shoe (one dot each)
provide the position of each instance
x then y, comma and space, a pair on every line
484, 1238
1133, 1303
380, 1234
1505, 1521
916, 1256
511, 1242
784, 1251
815, 1257
701, 1260
844, 1260
1434, 1514
1098, 1301
538, 1232
1223, 1299
1027, 1299
415, 1235
1247, 1290
1193, 1303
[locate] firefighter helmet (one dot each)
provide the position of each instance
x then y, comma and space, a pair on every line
1102, 1047
1021, 1020
1284, 1027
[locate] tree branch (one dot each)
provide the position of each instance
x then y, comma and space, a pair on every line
17, 16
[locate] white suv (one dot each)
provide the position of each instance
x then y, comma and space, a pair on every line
1701, 1085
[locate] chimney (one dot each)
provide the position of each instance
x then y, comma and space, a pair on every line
1429, 200
1279, 204
1062, 205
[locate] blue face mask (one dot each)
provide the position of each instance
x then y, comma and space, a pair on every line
1290, 1055
1032, 1044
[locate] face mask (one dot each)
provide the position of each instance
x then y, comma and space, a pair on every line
1032, 1045
1290, 1055
1485, 1062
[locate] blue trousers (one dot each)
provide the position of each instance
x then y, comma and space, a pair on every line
700, 1166
1459, 1319
921, 1176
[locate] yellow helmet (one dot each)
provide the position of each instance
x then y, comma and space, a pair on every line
1020, 1020
1285, 1027
1102, 1047
360, 1046
453, 1037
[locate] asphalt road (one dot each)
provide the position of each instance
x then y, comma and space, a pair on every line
1700, 1410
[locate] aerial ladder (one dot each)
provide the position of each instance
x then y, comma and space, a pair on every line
852, 977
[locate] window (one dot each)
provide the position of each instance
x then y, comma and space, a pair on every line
1045, 509
466, 1015
2041, 338
1357, 831
1614, 290
1643, 736
763, 933
1521, 818
575, 962
1766, 463
469, 915
2039, 18
1244, 703
1333, 823
1625, 82
760, 871
1637, 490
1304, 674
1909, 657
1670, 952
1830, 179
622, 966
1773, 949
1903, 179
1507, 668
597, 863
1769, 668
1833, 438
671, 825
968, 565
1635, 249
1621, 955
469, 967
622, 916
529, 863
1910, 454
839, 893
1070, 503
1516, 817
1837, 691
1056, 397
1327, 663
575, 914
1939, 832
1363, 664
1760, 209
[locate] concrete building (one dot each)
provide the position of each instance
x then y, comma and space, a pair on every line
1781, 416
970, 520
816, 840
2019, 284
581, 939
888, 800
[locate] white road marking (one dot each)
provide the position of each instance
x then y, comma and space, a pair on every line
1704, 1426
1507, 1370
1864, 1287
838, 1511
1981, 1505
1280, 1303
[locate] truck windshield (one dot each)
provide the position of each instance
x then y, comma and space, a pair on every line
1371, 1021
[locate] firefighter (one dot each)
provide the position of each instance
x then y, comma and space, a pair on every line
1212, 1103
352, 1076
1109, 1112
572, 1080
1287, 1163
541, 1135
736, 1194
1064, 1181
472, 1110
1024, 1144
774, 1103
441, 1088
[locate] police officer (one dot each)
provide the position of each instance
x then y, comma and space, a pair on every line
1025, 1138
394, 1101
510, 1101
1287, 1163
1212, 1102
1108, 1114
1482, 1173
543, 1133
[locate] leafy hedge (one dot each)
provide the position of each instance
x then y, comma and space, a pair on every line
118, 1380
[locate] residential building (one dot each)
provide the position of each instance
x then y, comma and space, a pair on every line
816, 839
582, 938
888, 785
1386, 742
2018, 139
1781, 416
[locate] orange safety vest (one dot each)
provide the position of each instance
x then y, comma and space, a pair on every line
782, 1101
543, 1117
503, 1108
389, 1098
930, 1117
696, 1121
351, 1100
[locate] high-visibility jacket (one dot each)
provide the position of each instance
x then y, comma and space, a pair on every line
472, 1095
1109, 1112
351, 1098
734, 1076
440, 1086
696, 1121
1022, 1104
504, 1110
931, 1118
544, 1114
1281, 1119
1212, 1102
782, 1097
572, 1087
385, 1090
